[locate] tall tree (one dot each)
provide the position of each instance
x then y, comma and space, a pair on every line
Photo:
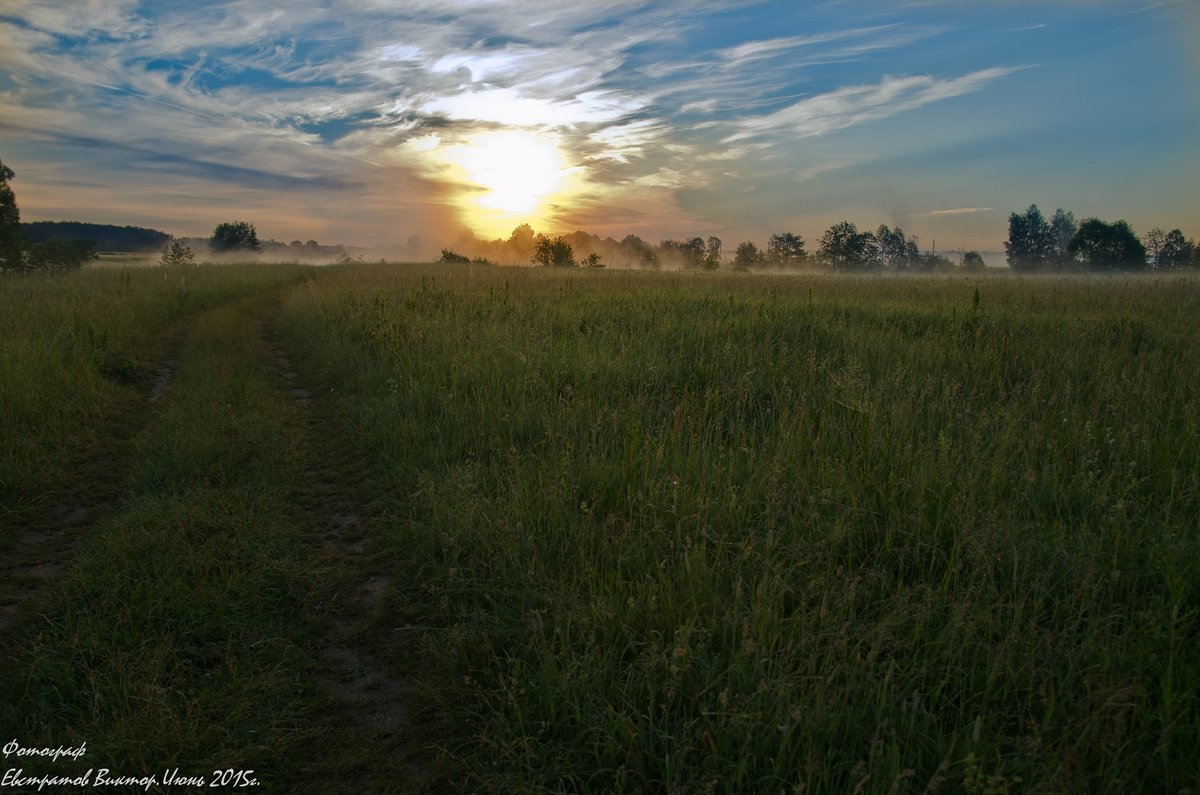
1103, 246
639, 251
1062, 232
688, 253
1030, 244
693, 253
234, 236
1175, 251
556, 253
521, 243
786, 250
712, 253
1154, 244
843, 246
747, 256
1168, 250
10, 224
895, 250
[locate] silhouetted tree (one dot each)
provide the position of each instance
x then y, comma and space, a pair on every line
638, 251
1103, 246
236, 236
107, 237
521, 243
453, 258
1062, 232
843, 246
895, 250
11, 257
973, 261
556, 253
1168, 250
59, 254
687, 253
786, 250
747, 256
1175, 251
1030, 243
592, 261
712, 253
693, 253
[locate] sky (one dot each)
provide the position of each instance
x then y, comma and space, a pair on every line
368, 122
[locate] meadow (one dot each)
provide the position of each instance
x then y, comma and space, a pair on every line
467, 528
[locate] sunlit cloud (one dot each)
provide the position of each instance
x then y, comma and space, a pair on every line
508, 106
481, 113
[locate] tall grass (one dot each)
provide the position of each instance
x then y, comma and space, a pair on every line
78, 348
180, 634
671, 533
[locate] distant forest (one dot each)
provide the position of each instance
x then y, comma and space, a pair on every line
1034, 243
106, 237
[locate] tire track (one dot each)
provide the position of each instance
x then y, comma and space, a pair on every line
46, 535
374, 699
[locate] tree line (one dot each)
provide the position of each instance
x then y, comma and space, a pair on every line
106, 237
57, 245
1034, 244
1061, 244
842, 247
20, 253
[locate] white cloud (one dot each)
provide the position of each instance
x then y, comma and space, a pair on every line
765, 48
509, 107
323, 91
957, 211
854, 105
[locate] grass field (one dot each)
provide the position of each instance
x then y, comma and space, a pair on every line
428, 528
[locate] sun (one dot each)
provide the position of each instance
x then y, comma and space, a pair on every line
509, 177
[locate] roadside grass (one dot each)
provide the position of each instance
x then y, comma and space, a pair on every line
180, 635
665, 532
81, 348
79, 353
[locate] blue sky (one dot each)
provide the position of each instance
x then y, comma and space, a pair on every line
369, 121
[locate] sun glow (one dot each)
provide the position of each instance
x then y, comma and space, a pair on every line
507, 178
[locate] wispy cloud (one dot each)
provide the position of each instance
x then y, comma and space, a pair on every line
357, 102
956, 211
766, 48
854, 105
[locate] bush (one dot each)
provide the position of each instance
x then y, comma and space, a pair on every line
556, 253
177, 255
59, 254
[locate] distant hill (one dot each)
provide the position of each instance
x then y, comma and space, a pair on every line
107, 237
